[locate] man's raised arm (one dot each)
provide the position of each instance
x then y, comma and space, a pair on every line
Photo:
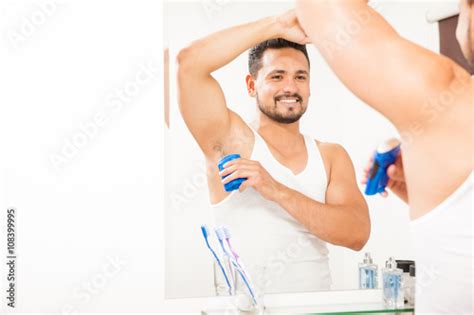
202, 102
389, 73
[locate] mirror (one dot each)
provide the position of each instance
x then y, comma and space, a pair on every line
333, 115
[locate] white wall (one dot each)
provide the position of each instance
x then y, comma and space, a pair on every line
334, 115
89, 226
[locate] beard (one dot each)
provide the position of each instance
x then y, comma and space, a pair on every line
271, 111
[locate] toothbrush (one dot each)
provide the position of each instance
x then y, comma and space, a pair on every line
237, 262
246, 281
205, 233
234, 253
221, 236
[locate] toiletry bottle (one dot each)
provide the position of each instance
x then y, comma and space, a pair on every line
404, 265
367, 273
392, 290
411, 286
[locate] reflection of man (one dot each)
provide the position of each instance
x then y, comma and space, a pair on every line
299, 193
429, 99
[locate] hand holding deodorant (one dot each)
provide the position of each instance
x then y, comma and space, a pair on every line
385, 156
234, 184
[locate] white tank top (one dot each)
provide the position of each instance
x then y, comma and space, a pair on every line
443, 245
267, 237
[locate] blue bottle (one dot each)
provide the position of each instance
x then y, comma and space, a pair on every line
234, 184
392, 284
385, 156
367, 273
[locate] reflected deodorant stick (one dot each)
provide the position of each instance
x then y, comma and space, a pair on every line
385, 155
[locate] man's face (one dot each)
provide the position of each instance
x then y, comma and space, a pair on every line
282, 85
465, 30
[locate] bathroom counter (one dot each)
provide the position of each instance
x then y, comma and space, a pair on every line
322, 302
363, 308
330, 302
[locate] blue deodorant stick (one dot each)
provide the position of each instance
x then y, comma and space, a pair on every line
234, 184
385, 155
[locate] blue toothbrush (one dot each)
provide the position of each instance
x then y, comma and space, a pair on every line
205, 233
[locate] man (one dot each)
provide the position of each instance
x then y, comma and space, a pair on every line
299, 193
429, 98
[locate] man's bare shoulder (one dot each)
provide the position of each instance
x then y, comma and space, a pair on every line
332, 153
331, 150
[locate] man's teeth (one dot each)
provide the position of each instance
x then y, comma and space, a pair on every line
288, 101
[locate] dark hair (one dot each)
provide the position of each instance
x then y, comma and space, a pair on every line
256, 53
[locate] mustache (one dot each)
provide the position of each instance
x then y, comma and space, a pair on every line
295, 95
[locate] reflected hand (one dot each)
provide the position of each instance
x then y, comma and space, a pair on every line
257, 177
396, 174
290, 28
